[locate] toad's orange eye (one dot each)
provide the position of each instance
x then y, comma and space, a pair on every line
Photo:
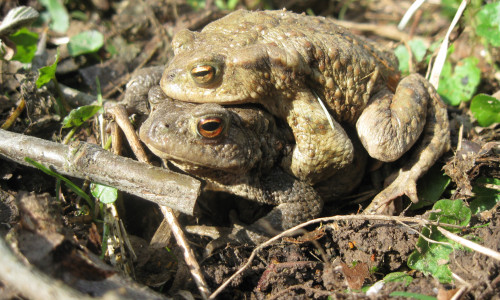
210, 127
204, 74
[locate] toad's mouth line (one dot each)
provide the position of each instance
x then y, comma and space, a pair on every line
200, 165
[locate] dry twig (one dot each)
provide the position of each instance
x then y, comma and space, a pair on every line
193, 265
120, 115
87, 161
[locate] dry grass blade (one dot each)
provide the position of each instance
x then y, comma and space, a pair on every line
441, 56
469, 244
409, 13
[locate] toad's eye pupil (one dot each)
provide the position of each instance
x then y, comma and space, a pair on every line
210, 127
203, 74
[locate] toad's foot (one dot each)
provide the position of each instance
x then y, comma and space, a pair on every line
404, 184
435, 140
238, 234
136, 95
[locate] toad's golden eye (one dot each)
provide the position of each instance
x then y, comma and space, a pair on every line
210, 127
204, 74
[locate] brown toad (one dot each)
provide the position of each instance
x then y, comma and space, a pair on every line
238, 150
293, 64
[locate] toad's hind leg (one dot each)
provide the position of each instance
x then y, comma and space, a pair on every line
392, 123
401, 120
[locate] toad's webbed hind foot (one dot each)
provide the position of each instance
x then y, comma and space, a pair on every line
238, 234
403, 184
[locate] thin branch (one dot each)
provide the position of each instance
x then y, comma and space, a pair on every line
30, 282
87, 161
193, 265
469, 244
121, 117
13, 116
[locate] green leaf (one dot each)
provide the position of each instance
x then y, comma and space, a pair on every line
462, 83
26, 45
196, 4
79, 15
449, 7
79, 115
403, 56
431, 186
68, 183
418, 49
85, 42
47, 73
486, 109
399, 277
105, 194
411, 295
58, 15
16, 18
432, 258
485, 197
453, 212
226, 4
488, 19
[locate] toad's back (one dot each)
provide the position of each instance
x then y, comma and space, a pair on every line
342, 68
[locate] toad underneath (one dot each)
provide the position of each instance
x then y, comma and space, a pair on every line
293, 65
238, 150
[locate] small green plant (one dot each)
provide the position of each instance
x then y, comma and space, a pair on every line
105, 194
487, 194
85, 42
488, 23
432, 254
58, 15
47, 73
26, 45
459, 84
418, 51
60, 178
196, 4
226, 4
399, 277
431, 186
486, 109
79, 115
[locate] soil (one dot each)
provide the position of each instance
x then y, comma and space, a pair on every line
331, 260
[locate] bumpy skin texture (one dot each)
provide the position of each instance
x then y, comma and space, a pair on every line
235, 149
287, 61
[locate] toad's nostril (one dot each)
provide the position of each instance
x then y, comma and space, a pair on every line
171, 75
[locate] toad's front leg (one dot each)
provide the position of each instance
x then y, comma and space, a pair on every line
322, 145
294, 202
